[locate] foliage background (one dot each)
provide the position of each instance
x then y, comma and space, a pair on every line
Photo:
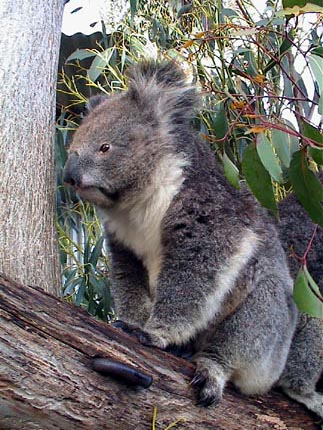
261, 78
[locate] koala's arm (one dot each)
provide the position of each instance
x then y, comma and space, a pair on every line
129, 285
198, 272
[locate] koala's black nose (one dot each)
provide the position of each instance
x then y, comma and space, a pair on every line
71, 170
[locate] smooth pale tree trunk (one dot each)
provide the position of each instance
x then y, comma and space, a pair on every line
29, 46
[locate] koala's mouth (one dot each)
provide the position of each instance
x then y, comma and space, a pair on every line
94, 194
114, 196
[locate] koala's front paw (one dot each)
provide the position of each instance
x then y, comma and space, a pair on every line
126, 327
163, 335
143, 336
184, 351
151, 339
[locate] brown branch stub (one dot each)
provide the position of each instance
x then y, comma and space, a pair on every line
46, 380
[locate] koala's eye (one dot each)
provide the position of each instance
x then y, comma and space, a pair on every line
105, 147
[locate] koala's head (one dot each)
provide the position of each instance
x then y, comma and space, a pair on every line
122, 139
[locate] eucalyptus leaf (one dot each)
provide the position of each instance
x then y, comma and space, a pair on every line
312, 132
252, 69
231, 171
320, 104
80, 54
305, 298
86, 254
99, 63
268, 157
285, 145
96, 69
220, 123
184, 9
71, 284
258, 178
307, 186
288, 85
317, 51
80, 292
313, 284
229, 12
317, 155
284, 47
300, 83
133, 8
95, 254
316, 65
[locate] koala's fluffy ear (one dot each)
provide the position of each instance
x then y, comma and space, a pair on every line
161, 87
95, 101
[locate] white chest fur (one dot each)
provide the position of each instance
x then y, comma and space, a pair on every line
138, 226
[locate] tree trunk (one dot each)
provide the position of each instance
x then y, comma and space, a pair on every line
46, 379
29, 48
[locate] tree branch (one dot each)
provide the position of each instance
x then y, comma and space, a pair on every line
46, 380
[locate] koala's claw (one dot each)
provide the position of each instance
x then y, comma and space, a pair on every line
184, 351
127, 328
142, 336
209, 386
208, 399
198, 380
209, 393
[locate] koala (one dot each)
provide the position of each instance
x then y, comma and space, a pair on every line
305, 360
193, 260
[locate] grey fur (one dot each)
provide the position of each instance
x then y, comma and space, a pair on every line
213, 271
305, 361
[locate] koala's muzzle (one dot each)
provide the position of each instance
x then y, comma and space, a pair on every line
71, 173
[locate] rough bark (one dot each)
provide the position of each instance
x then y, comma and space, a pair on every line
46, 380
29, 48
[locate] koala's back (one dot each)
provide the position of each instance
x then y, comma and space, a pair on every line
304, 365
295, 231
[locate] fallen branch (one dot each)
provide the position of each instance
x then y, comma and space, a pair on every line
47, 382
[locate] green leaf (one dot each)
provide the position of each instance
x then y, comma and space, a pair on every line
95, 254
80, 292
315, 288
71, 282
320, 106
304, 297
231, 171
307, 186
300, 83
86, 253
252, 69
133, 8
284, 47
288, 84
285, 145
99, 63
313, 133
229, 12
258, 178
220, 123
97, 66
80, 54
184, 9
268, 157
317, 155
316, 65
317, 51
